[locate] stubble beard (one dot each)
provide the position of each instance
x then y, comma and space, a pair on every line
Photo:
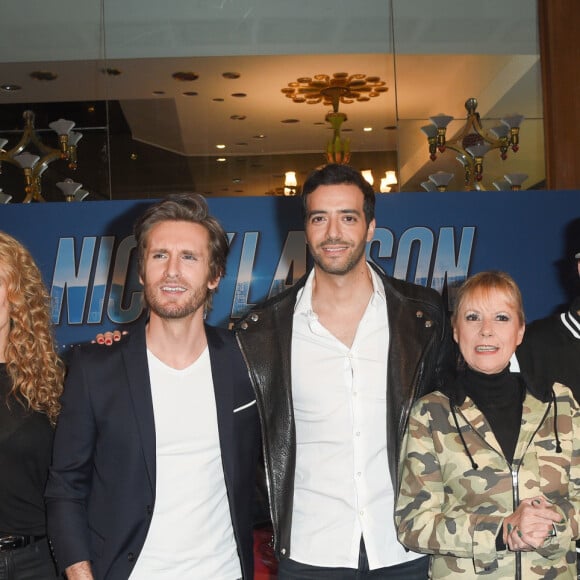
339, 269
174, 311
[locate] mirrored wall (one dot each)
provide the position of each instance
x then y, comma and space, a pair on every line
246, 97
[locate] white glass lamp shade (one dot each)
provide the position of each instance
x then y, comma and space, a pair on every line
391, 177
478, 150
502, 185
513, 121
290, 179
428, 186
500, 131
4, 197
441, 121
384, 187
430, 131
62, 126
74, 138
80, 195
3, 143
515, 179
26, 160
368, 176
441, 178
69, 188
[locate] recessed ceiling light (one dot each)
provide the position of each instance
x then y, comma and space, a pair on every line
260, 136
242, 144
236, 180
9, 87
390, 127
189, 94
185, 76
221, 159
218, 100
239, 95
290, 121
112, 72
43, 75
220, 146
238, 117
231, 75
158, 92
367, 129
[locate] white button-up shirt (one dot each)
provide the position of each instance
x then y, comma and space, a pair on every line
342, 486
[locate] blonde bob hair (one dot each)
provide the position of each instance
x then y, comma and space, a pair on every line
483, 283
32, 364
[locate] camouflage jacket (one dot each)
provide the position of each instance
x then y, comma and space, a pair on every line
447, 508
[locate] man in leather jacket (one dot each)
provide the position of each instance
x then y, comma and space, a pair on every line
336, 362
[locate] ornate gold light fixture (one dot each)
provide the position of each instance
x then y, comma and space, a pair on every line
331, 91
473, 142
33, 156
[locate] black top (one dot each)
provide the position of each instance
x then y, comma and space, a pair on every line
499, 397
550, 351
25, 454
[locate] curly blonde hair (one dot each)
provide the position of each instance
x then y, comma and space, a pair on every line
35, 369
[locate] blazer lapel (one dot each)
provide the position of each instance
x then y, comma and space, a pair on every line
223, 388
137, 369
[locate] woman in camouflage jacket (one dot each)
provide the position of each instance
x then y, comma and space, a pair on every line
490, 468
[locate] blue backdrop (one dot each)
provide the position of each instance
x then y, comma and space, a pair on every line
85, 250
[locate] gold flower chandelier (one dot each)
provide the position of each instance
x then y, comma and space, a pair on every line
331, 91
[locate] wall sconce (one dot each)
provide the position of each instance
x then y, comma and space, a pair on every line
33, 166
388, 181
472, 143
290, 183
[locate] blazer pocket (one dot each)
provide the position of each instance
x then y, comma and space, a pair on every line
244, 407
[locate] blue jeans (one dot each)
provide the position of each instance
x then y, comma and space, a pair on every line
33, 562
415, 570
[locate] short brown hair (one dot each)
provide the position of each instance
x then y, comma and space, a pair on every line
192, 208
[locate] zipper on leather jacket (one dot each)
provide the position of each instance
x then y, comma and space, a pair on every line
267, 465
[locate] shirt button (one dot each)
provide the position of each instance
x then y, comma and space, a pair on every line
358, 473
362, 512
357, 433
131, 557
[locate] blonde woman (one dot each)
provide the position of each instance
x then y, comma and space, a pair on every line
31, 379
490, 478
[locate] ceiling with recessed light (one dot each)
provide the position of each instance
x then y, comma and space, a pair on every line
189, 77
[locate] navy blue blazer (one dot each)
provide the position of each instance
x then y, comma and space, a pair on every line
101, 487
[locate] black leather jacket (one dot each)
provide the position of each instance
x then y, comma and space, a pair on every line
419, 360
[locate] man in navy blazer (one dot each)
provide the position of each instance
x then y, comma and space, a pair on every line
156, 446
